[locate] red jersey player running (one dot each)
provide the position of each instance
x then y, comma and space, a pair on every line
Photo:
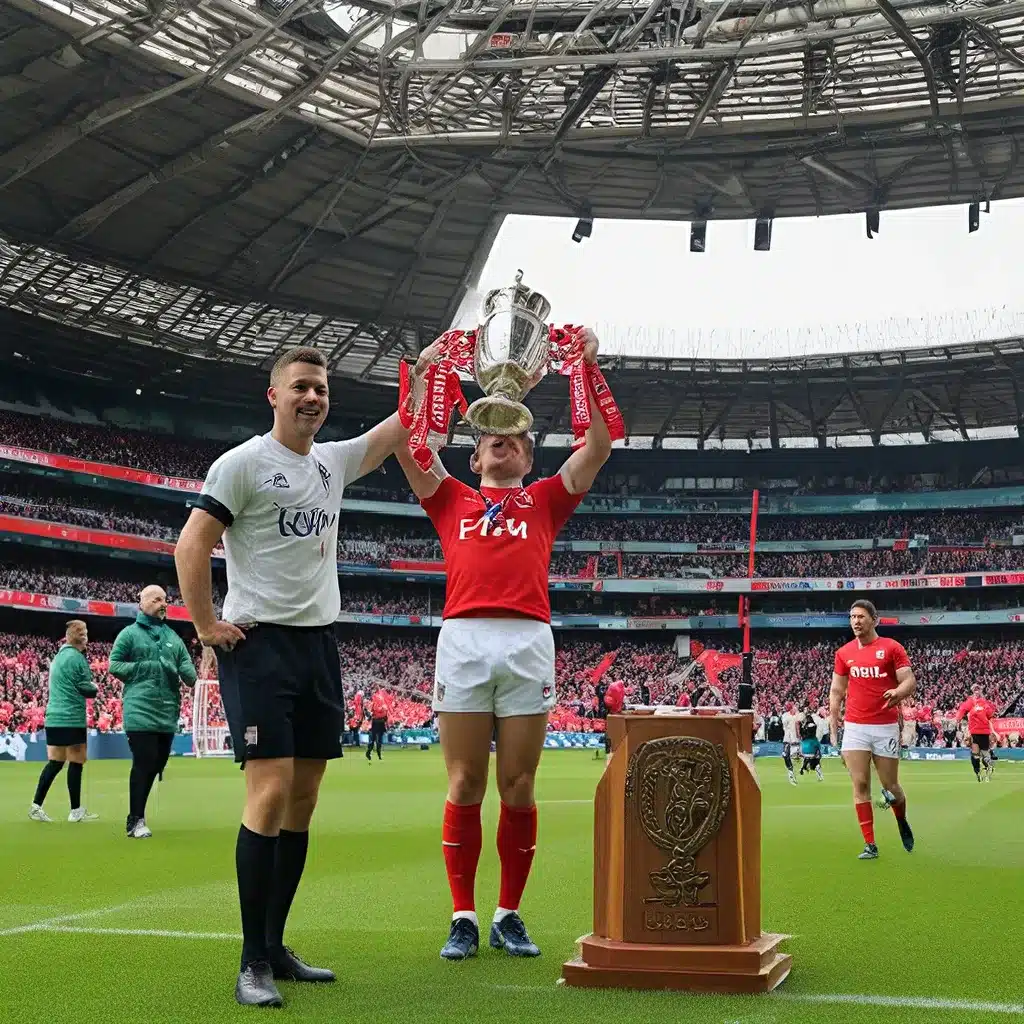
873, 673
980, 713
496, 655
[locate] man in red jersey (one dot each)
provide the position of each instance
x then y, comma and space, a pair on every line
380, 711
980, 713
496, 655
873, 673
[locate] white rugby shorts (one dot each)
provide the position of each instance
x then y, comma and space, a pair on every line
881, 740
502, 666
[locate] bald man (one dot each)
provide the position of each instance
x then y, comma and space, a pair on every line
152, 661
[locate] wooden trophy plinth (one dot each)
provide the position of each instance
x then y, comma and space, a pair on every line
677, 861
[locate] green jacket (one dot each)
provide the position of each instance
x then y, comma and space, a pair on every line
152, 661
70, 684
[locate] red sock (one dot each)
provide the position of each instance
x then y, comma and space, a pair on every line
517, 841
461, 840
899, 809
866, 817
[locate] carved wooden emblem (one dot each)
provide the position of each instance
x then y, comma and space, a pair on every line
681, 787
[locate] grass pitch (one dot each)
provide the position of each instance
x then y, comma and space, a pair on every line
95, 927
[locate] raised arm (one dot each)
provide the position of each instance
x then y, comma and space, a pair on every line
423, 484
580, 470
836, 695
200, 536
389, 437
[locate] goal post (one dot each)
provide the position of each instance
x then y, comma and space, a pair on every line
210, 736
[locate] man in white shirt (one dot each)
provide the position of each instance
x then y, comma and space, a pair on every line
276, 500
790, 738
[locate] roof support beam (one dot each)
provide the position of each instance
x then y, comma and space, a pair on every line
237, 188
899, 26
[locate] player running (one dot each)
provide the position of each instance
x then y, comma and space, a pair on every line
496, 655
873, 674
980, 713
790, 738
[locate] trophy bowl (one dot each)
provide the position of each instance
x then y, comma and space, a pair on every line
510, 357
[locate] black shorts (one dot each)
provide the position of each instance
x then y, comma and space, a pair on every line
981, 739
281, 689
378, 727
62, 736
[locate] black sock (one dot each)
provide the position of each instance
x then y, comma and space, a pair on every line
289, 861
50, 771
976, 764
75, 785
788, 760
254, 865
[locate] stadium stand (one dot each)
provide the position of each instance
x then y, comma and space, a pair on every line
787, 666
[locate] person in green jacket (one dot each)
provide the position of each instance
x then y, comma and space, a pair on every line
152, 661
70, 684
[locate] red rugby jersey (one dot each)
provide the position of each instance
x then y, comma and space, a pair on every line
499, 569
872, 670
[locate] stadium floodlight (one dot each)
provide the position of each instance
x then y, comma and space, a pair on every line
698, 235
871, 221
584, 226
762, 234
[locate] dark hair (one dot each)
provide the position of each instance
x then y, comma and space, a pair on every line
303, 354
864, 603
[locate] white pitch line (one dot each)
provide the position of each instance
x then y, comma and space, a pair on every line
155, 932
844, 998
64, 918
904, 1002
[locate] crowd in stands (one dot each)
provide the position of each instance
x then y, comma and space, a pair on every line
785, 669
87, 588
957, 527
390, 600
155, 453
88, 512
380, 542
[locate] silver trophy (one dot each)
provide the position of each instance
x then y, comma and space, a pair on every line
511, 356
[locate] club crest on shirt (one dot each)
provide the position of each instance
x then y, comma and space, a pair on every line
523, 499
277, 480
325, 477
879, 654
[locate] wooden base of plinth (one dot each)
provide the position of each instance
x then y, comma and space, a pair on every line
606, 963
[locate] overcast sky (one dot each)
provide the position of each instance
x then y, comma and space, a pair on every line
923, 279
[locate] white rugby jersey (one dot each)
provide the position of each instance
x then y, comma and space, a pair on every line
790, 728
280, 511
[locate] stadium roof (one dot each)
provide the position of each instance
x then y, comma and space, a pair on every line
234, 176
951, 390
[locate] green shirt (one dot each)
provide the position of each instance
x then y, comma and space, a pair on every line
152, 661
70, 684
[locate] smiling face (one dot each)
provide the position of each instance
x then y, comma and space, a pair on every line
502, 458
300, 396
